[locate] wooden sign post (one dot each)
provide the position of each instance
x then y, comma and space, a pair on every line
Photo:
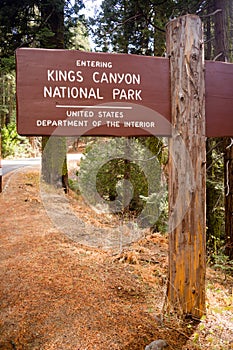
186, 288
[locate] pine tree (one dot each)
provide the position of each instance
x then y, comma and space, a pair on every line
136, 27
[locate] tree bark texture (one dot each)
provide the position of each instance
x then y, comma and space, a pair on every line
220, 30
54, 161
228, 173
213, 219
187, 158
222, 52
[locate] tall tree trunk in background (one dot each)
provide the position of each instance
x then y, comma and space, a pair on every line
211, 195
221, 54
230, 30
54, 161
228, 165
222, 45
220, 29
229, 149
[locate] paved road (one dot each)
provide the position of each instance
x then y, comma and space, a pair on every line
9, 165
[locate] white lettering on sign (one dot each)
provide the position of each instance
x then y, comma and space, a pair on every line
61, 123
82, 114
72, 92
111, 124
73, 85
96, 123
105, 114
122, 94
136, 124
93, 64
64, 75
116, 78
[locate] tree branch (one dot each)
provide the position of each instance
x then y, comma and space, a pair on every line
212, 14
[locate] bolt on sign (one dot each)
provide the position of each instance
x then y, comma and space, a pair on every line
72, 93
64, 92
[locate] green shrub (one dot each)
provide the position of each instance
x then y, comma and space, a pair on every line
14, 145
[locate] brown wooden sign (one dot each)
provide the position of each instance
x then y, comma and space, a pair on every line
68, 92
219, 99
65, 92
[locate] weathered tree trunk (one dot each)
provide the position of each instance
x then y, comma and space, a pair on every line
187, 248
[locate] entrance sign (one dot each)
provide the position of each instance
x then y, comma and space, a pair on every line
70, 92
81, 93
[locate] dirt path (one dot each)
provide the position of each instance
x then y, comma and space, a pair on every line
57, 294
